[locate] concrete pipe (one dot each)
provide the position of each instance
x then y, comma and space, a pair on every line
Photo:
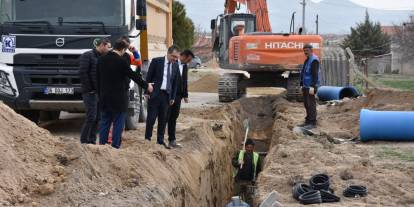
386, 125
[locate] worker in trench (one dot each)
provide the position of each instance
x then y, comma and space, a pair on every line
309, 82
247, 165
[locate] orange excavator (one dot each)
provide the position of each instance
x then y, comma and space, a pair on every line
252, 55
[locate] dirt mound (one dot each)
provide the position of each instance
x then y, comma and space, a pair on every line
345, 116
207, 84
39, 169
385, 168
29, 159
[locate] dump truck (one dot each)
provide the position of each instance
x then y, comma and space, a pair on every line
42, 42
253, 56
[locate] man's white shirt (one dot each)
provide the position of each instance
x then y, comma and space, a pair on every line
165, 75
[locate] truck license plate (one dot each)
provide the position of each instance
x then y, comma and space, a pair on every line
59, 91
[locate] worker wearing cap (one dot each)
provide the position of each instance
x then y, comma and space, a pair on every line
247, 165
310, 81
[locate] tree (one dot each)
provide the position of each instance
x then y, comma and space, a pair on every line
367, 39
183, 27
404, 38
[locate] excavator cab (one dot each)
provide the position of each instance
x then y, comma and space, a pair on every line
229, 26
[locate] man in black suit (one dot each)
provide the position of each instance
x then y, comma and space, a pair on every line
113, 71
163, 73
182, 93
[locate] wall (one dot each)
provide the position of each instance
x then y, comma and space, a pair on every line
159, 20
334, 67
380, 64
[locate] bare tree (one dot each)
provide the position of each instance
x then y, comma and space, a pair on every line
405, 38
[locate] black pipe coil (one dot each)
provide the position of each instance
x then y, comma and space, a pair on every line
300, 189
320, 182
356, 190
328, 197
311, 197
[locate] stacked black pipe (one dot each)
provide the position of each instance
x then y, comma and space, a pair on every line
318, 191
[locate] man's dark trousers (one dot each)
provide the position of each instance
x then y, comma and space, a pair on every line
90, 127
310, 106
173, 114
118, 120
157, 107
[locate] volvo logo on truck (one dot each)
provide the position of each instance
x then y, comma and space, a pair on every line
60, 42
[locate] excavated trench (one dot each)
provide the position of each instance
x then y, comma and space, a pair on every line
141, 173
260, 116
45, 170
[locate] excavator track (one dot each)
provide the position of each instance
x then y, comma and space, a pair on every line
230, 87
294, 92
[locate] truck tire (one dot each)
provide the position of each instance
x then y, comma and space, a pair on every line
230, 88
133, 115
143, 110
32, 115
294, 92
49, 116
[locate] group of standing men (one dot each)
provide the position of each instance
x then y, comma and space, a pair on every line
105, 74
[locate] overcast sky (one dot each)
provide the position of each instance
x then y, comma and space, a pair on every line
385, 4
336, 16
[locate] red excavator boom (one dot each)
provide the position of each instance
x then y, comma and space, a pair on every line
257, 7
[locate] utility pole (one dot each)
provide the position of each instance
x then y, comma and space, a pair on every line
303, 16
317, 24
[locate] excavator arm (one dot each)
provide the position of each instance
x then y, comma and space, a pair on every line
257, 7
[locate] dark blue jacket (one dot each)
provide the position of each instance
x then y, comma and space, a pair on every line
87, 71
156, 73
307, 79
113, 71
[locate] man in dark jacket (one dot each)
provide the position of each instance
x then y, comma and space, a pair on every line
113, 92
246, 167
163, 73
182, 93
88, 62
310, 81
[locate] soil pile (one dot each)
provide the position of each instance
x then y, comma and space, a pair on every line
39, 169
207, 84
385, 168
29, 160
344, 117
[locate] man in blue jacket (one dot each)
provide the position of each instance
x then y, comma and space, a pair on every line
310, 81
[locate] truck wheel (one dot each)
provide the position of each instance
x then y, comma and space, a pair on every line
134, 110
230, 88
294, 92
143, 110
49, 116
32, 115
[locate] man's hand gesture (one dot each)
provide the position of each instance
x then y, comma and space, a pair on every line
150, 87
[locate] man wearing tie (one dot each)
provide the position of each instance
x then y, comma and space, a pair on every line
182, 93
163, 73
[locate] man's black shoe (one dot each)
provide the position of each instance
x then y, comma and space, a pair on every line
165, 145
310, 126
173, 144
303, 124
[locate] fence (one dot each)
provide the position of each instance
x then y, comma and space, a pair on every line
335, 67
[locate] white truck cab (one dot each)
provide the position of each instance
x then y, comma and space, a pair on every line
41, 42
